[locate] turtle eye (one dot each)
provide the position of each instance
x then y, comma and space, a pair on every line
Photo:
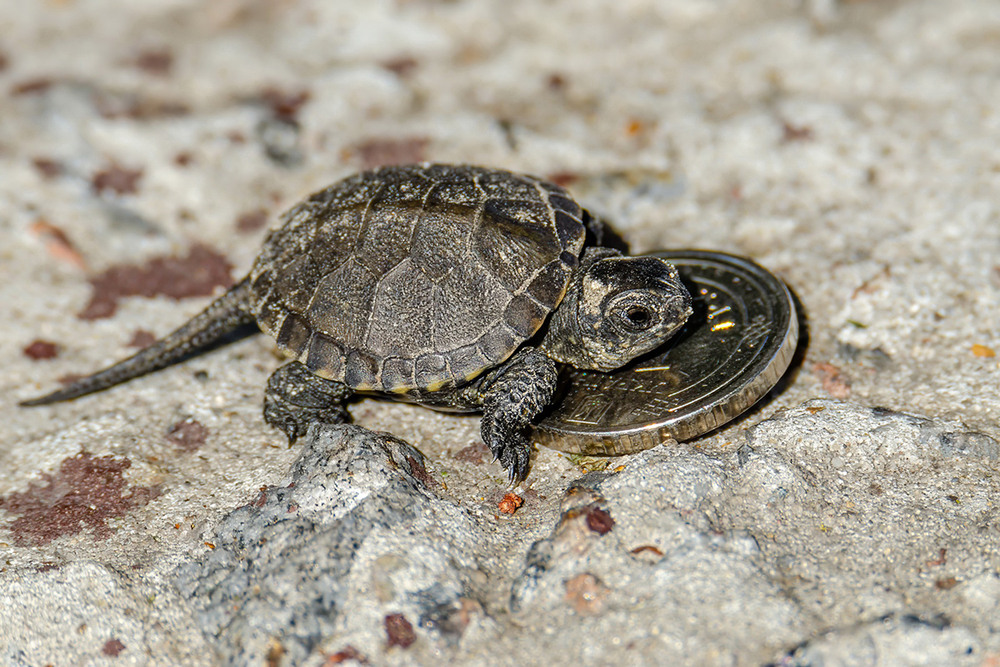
638, 316
635, 316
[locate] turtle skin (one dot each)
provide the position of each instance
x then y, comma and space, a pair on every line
433, 284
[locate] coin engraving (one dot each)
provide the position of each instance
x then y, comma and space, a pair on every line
734, 348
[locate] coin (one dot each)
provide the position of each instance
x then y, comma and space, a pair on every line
733, 349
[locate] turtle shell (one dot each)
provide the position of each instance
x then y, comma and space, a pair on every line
418, 277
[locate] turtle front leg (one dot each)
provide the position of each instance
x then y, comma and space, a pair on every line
295, 398
512, 396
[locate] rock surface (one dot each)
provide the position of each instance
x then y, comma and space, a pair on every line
302, 564
849, 519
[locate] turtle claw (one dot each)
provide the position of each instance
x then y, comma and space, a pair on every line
515, 476
513, 455
517, 470
280, 417
294, 420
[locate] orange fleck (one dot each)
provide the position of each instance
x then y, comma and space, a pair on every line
983, 351
634, 127
57, 243
209, 545
348, 653
510, 503
814, 409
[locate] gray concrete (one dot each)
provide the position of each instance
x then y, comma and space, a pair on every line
851, 147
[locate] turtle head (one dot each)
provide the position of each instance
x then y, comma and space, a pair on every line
616, 308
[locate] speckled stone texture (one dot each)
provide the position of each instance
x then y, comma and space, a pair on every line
850, 519
352, 538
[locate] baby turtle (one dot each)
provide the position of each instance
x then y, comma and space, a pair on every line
456, 287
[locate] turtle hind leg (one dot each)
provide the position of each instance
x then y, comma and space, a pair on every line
296, 397
512, 396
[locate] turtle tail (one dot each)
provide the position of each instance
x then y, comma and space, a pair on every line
223, 316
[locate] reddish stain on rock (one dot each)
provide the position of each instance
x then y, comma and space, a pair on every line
198, 273
285, 104
117, 179
399, 631
142, 338
385, 152
599, 520
790, 133
418, 470
261, 498
183, 159
942, 557
158, 62
833, 380
401, 66
112, 648
251, 221
564, 178
70, 378
47, 167
41, 349
473, 454
946, 584
32, 86
85, 492
586, 594
188, 435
